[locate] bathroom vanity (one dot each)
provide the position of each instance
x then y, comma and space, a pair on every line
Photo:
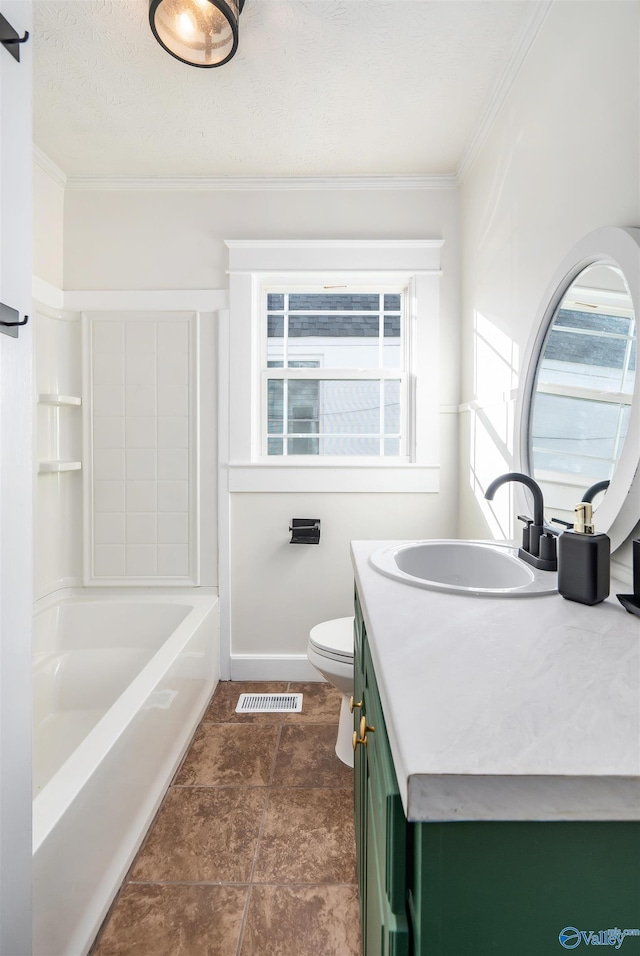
497, 795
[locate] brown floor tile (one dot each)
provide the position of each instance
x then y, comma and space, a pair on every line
202, 835
320, 704
307, 837
212, 827
174, 921
307, 758
225, 700
302, 921
229, 755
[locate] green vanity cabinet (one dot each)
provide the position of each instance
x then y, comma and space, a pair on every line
510, 888
480, 888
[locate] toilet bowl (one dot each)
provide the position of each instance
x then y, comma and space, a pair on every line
330, 650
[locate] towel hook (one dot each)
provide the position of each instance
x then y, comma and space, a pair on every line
10, 39
6, 312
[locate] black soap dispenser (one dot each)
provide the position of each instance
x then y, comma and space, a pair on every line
583, 560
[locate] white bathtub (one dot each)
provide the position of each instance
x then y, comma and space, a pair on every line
120, 683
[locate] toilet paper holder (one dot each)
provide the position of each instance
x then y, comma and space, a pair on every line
305, 531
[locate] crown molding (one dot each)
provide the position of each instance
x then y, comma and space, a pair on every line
49, 167
261, 183
502, 88
334, 243
239, 183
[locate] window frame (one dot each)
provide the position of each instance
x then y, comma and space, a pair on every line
405, 374
414, 263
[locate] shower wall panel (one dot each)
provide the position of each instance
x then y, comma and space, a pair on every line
141, 448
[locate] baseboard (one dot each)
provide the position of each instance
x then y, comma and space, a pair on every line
273, 667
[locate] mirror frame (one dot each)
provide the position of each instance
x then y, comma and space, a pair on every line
618, 511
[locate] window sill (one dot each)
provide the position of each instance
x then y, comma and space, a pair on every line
334, 478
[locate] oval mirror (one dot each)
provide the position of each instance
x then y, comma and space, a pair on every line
579, 422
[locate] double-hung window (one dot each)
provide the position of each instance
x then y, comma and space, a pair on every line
332, 372
335, 380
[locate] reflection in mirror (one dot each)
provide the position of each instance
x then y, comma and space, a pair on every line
583, 389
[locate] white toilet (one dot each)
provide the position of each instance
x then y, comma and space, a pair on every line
330, 650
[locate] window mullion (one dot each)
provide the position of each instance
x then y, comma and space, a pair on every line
336, 373
285, 331
381, 330
285, 417
381, 366
382, 415
410, 350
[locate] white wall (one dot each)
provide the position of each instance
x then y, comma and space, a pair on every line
58, 369
16, 484
175, 240
48, 226
282, 590
172, 239
561, 160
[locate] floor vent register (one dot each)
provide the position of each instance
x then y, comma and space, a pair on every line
269, 704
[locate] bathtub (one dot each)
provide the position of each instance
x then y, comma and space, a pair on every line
120, 682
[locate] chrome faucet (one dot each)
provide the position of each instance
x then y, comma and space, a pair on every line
538, 545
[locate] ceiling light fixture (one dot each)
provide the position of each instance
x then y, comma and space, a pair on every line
197, 32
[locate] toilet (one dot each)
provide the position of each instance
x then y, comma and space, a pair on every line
330, 650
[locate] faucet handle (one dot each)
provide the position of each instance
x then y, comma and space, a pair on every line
567, 524
525, 531
548, 550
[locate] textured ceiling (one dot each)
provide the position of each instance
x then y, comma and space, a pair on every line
317, 88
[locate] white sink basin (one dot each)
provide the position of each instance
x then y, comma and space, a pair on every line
464, 567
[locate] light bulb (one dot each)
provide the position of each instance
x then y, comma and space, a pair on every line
186, 25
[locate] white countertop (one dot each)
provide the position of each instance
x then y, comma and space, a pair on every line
505, 708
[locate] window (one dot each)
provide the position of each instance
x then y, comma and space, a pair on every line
329, 357
341, 372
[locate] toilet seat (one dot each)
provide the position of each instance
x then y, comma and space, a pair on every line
333, 639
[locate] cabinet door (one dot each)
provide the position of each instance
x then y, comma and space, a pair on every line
360, 765
381, 828
385, 930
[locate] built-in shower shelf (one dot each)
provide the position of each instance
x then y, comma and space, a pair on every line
52, 398
49, 467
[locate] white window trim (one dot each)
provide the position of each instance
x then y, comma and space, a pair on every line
414, 264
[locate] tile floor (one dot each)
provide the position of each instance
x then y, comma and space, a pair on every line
252, 852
